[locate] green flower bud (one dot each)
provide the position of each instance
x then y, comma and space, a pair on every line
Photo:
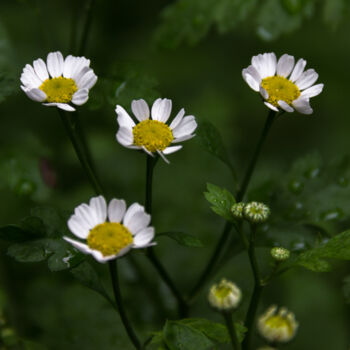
224, 296
237, 210
280, 253
277, 326
256, 212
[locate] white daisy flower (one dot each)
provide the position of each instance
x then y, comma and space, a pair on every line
59, 81
153, 135
107, 240
283, 84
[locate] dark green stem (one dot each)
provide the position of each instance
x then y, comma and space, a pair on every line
236, 345
87, 25
255, 298
150, 164
252, 164
71, 129
212, 261
118, 299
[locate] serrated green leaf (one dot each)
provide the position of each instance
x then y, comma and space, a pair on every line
221, 200
33, 251
210, 139
183, 239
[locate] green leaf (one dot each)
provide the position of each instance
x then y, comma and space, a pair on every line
210, 139
221, 200
33, 251
183, 239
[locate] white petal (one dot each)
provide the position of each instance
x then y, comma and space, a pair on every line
252, 77
263, 93
163, 157
285, 65
302, 105
88, 80
64, 106
306, 79
124, 251
144, 237
80, 97
29, 77
98, 207
147, 151
84, 248
100, 258
124, 120
265, 64
285, 106
312, 91
161, 109
88, 215
36, 95
125, 136
40, 69
78, 226
138, 222
298, 70
187, 126
116, 210
176, 121
140, 109
134, 208
171, 149
74, 65
183, 138
55, 64
271, 106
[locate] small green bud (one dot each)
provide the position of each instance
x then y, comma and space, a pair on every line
280, 253
237, 210
224, 296
256, 212
277, 325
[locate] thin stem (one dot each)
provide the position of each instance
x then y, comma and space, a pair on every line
118, 298
212, 261
256, 154
150, 164
88, 10
236, 345
255, 298
71, 129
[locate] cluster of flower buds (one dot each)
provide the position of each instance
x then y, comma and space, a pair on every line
224, 296
280, 253
254, 212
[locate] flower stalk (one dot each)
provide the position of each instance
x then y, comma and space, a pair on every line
236, 345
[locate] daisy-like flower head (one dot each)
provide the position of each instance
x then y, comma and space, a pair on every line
107, 240
224, 296
283, 84
59, 81
277, 325
150, 132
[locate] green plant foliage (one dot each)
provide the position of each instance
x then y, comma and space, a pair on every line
183, 239
194, 333
346, 289
221, 200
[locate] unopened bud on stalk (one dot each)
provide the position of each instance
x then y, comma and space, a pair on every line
277, 326
224, 296
256, 212
237, 210
280, 253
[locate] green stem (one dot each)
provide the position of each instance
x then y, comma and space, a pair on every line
118, 298
236, 345
256, 154
150, 164
88, 10
255, 298
212, 261
71, 129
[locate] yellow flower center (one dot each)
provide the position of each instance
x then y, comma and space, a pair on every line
153, 135
222, 292
59, 90
280, 88
278, 322
109, 238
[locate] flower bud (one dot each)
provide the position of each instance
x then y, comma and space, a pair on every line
278, 326
280, 253
224, 296
256, 212
237, 210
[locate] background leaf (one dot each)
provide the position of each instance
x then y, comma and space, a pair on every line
183, 239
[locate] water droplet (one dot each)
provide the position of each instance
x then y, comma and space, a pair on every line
334, 214
295, 186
